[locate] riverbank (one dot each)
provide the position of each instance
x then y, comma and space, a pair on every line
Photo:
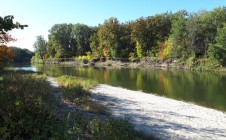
146, 62
162, 117
33, 106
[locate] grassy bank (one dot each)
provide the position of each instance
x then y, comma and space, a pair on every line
75, 91
28, 110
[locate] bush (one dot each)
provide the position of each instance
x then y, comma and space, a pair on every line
202, 64
72, 81
75, 93
37, 59
25, 112
85, 58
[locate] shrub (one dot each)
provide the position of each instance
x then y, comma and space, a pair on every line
28, 113
72, 81
85, 58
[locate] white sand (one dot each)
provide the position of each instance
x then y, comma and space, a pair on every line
162, 117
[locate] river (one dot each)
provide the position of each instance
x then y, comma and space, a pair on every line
202, 88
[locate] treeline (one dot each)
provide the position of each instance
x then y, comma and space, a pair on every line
22, 55
181, 35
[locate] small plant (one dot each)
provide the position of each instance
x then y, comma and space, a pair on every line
72, 81
132, 56
85, 58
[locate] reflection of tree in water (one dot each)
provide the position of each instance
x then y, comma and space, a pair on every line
139, 80
132, 74
165, 84
106, 76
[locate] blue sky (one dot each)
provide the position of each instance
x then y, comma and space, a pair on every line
41, 15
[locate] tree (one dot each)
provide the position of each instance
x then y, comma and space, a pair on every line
218, 16
150, 32
159, 27
68, 40
40, 46
202, 29
218, 49
81, 34
127, 45
94, 45
6, 54
196, 36
167, 36
179, 35
61, 41
6, 24
109, 36
139, 34
22, 55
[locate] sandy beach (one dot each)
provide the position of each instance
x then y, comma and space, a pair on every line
162, 117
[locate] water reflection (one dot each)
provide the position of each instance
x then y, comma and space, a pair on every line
21, 66
208, 89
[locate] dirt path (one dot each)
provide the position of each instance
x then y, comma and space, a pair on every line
162, 117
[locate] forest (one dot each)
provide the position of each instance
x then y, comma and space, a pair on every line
22, 55
197, 38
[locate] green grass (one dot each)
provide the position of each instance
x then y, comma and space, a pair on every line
28, 110
75, 90
72, 81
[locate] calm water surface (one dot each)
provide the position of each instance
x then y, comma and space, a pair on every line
203, 88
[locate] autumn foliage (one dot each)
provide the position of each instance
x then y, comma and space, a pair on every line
106, 52
165, 49
6, 53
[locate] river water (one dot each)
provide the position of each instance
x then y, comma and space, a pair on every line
202, 88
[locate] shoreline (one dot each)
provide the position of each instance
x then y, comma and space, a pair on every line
162, 117
143, 63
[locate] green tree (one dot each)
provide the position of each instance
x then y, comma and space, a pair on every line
6, 24
127, 45
159, 27
179, 35
196, 37
40, 46
202, 29
151, 31
61, 40
94, 45
109, 36
218, 49
140, 34
218, 16
81, 34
